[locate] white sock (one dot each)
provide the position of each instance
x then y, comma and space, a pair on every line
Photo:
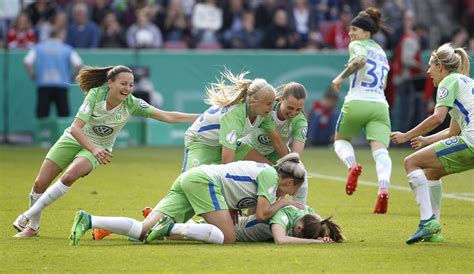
436, 192
383, 165
35, 219
419, 186
119, 225
302, 193
53, 193
345, 152
202, 232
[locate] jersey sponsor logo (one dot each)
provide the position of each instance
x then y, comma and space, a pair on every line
246, 202
85, 108
231, 137
103, 130
304, 132
264, 139
442, 93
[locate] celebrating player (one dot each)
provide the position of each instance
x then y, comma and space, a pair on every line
446, 152
365, 106
89, 140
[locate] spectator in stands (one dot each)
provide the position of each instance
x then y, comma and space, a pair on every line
264, 13
112, 33
302, 20
394, 11
56, 22
8, 12
460, 38
51, 64
82, 33
100, 9
144, 34
206, 20
338, 35
175, 25
40, 11
249, 37
21, 33
233, 16
278, 35
322, 119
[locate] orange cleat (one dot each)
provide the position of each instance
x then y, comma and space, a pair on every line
381, 206
146, 211
351, 183
99, 234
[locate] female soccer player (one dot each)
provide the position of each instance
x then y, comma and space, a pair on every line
291, 124
208, 191
237, 110
365, 106
449, 151
89, 140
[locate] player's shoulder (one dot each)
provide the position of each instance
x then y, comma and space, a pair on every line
98, 92
450, 79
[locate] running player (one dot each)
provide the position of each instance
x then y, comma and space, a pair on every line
449, 151
365, 106
89, 140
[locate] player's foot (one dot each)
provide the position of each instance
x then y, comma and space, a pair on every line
27, 233
82, 223
351, 183
20, 223
98, 234
381, 205
146, 211
425, 231
160, 230
436, 238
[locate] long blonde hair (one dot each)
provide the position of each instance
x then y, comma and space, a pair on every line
240, 89
453, 59
92, 77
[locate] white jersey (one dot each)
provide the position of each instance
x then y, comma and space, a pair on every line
249, 229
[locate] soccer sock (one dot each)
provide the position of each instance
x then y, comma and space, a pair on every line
49, 196
345, 152
202, 232
383, 165
302, 192
436, 192
419, 187
35, 219
120, 225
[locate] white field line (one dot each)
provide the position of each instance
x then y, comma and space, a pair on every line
457, 196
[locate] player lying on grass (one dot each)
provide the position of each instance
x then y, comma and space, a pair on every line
88, 142
449, 151
237, 109
208, 191
290, 123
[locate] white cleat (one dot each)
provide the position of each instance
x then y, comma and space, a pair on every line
27, 233
20, 223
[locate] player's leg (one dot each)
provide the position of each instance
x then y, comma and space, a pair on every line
44, 103
62, 102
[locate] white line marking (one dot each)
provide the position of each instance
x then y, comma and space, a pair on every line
457, 196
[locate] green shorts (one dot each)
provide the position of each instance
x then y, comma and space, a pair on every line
199, 154
373, 117
65, 150
454, 154
244, 149
193, 193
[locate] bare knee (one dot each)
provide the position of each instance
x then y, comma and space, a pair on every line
433, 174
69, 177
40, 185
410, 163
229, 238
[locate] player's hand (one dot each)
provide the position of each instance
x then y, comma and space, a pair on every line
234, 214
293, 203
337, 83
325, 240
418, 142
102, 155
398, 137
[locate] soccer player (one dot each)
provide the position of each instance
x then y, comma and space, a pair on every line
89, 140
236, 110
290, 123
365, 106
208, 191
446, 152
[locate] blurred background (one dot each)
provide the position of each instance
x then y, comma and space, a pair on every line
177, 47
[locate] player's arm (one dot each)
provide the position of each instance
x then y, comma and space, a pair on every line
297, 146
173, 117
277, 143
28, 62
280, 237
102, 155
228, 155
354, 65
265, 210
421, 141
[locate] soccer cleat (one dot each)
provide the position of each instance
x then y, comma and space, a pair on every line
352, 177
160, 230
146, 211
99, 234
20, 223
436, 238
381, 205
27, 233
82, 223
425, 231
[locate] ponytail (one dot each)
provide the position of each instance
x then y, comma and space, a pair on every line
92, 77
332, 230
453, 59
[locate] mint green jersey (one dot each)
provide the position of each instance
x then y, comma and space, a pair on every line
295, 128
242, 182
102, 125
368, 83
224, 125
456, 91
288, 216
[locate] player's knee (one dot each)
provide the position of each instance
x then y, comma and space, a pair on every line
69, 177
216, 236
229, 238
409, 163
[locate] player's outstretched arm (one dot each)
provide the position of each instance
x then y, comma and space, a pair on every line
173, 117
280, 237
265, 210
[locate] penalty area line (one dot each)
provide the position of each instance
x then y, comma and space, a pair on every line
460, 196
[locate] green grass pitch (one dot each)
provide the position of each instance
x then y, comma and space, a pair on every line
139, 177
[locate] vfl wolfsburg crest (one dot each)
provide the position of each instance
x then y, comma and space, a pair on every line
118, 116
102, 130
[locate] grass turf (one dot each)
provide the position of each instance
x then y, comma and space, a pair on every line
139, 177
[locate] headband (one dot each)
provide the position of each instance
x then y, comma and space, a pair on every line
365, 23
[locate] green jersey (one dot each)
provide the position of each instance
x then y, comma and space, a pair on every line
456, 91
368, 83
294, 128
288, 216
224, 125
102, 125
242, 182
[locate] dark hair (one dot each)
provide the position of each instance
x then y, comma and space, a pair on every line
370, 20
332, 230
311, 226
294, 89
92, 77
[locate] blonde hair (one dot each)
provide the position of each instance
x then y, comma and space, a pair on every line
92, 77
240, 90
453, 59
291, 166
